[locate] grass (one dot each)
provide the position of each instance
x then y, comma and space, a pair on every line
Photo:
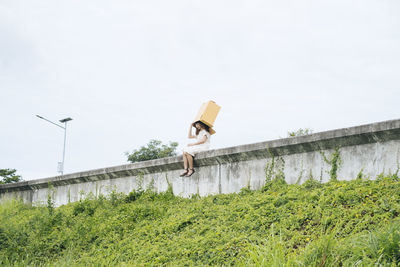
341, 223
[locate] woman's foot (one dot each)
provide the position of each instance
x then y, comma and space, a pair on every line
190, 172
184, 173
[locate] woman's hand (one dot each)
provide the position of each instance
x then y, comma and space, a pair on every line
190, 135
190, 145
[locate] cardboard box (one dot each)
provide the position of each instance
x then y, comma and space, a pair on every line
207, 114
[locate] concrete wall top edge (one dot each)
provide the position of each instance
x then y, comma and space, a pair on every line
373, 131
369, 133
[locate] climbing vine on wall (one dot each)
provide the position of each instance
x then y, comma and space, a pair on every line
334, 161
274, 170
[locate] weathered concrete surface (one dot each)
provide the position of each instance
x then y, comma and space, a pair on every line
372, 149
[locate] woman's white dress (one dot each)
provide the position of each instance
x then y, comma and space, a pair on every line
192, 150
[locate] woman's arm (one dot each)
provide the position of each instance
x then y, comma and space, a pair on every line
202, 141
190, 135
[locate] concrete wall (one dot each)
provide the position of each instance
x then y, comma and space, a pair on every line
372, 149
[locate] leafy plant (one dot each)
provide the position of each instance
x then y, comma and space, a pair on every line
341, 223
8, 176
50, 199
274, 169
154, 150
300, 132
334, 161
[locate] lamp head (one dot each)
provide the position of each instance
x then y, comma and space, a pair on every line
65, 120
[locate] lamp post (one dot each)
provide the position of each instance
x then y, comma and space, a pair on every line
60, 168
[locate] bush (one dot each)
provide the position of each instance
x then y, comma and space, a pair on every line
333, 224
154, 150
8, 176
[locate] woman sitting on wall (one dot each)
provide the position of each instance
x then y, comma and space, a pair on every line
202, 144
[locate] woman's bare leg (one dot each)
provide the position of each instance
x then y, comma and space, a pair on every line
190, 161
185, 164
185, 161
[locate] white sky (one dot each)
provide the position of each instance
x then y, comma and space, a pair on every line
130, 71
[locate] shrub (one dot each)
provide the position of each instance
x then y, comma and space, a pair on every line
154, 150
341, 223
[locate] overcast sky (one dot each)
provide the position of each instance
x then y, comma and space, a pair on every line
131, 71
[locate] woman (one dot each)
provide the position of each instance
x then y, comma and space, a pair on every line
202, 144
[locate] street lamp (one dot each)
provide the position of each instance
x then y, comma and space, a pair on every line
60, 166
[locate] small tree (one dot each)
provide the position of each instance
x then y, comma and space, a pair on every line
8, 176
154, 150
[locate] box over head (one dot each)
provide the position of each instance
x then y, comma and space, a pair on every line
207, 114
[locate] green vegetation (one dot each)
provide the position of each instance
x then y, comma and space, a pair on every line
300, 132
154, 150
333, 224
8, 176
334, 162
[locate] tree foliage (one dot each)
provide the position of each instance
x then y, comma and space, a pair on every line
153, 150
8, 176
